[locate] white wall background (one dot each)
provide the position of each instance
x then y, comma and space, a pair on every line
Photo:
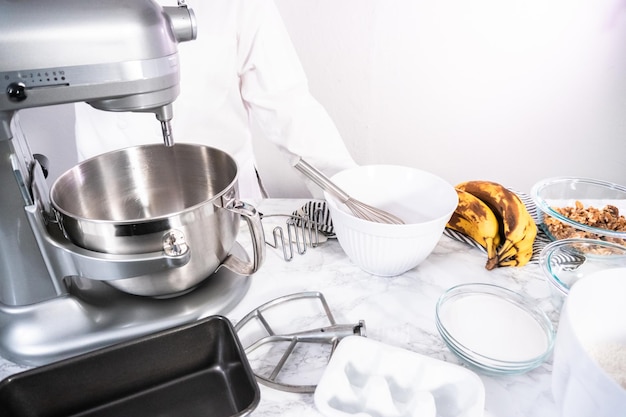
507, 90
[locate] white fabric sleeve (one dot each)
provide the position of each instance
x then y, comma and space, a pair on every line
275, 91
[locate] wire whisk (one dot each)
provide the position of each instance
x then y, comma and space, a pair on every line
358, 208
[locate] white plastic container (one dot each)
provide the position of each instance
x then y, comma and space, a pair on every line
589, 372
367, 378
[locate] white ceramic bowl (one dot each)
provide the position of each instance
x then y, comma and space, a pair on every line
422, 200
589, 367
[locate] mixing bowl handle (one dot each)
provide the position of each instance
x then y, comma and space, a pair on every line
253, 219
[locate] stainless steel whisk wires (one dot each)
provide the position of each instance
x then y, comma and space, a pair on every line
358, 208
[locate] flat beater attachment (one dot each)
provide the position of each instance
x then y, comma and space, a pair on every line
330, 334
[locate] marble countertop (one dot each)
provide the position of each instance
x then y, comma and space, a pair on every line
399, 311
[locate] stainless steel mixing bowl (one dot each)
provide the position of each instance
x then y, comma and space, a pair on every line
152, 198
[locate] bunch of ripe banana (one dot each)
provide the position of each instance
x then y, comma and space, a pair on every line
496, 219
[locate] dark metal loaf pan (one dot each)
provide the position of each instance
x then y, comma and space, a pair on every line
197, 369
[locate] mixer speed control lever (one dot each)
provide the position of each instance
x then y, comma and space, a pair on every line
17, 91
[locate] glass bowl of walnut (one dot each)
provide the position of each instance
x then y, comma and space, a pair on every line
575, 208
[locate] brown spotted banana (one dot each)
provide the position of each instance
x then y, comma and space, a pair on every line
518, 228
475, 219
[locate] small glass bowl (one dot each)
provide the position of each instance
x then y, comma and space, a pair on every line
566, 261
553, 193
494, 330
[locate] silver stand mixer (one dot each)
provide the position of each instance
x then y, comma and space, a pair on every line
117, 55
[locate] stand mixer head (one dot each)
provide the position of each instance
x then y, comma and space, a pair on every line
117, 55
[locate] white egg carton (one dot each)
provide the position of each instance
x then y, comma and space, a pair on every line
369, 378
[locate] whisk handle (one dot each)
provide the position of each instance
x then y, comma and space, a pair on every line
321, 180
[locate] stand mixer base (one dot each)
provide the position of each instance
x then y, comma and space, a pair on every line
94, 315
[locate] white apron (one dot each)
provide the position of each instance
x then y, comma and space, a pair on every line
241, 70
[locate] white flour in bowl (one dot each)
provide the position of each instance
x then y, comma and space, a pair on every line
611, 356
494, 327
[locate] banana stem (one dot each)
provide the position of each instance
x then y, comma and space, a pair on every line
492, 263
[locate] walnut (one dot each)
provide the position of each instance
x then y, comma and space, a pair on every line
607, 218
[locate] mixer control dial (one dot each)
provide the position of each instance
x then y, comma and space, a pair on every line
16, 91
